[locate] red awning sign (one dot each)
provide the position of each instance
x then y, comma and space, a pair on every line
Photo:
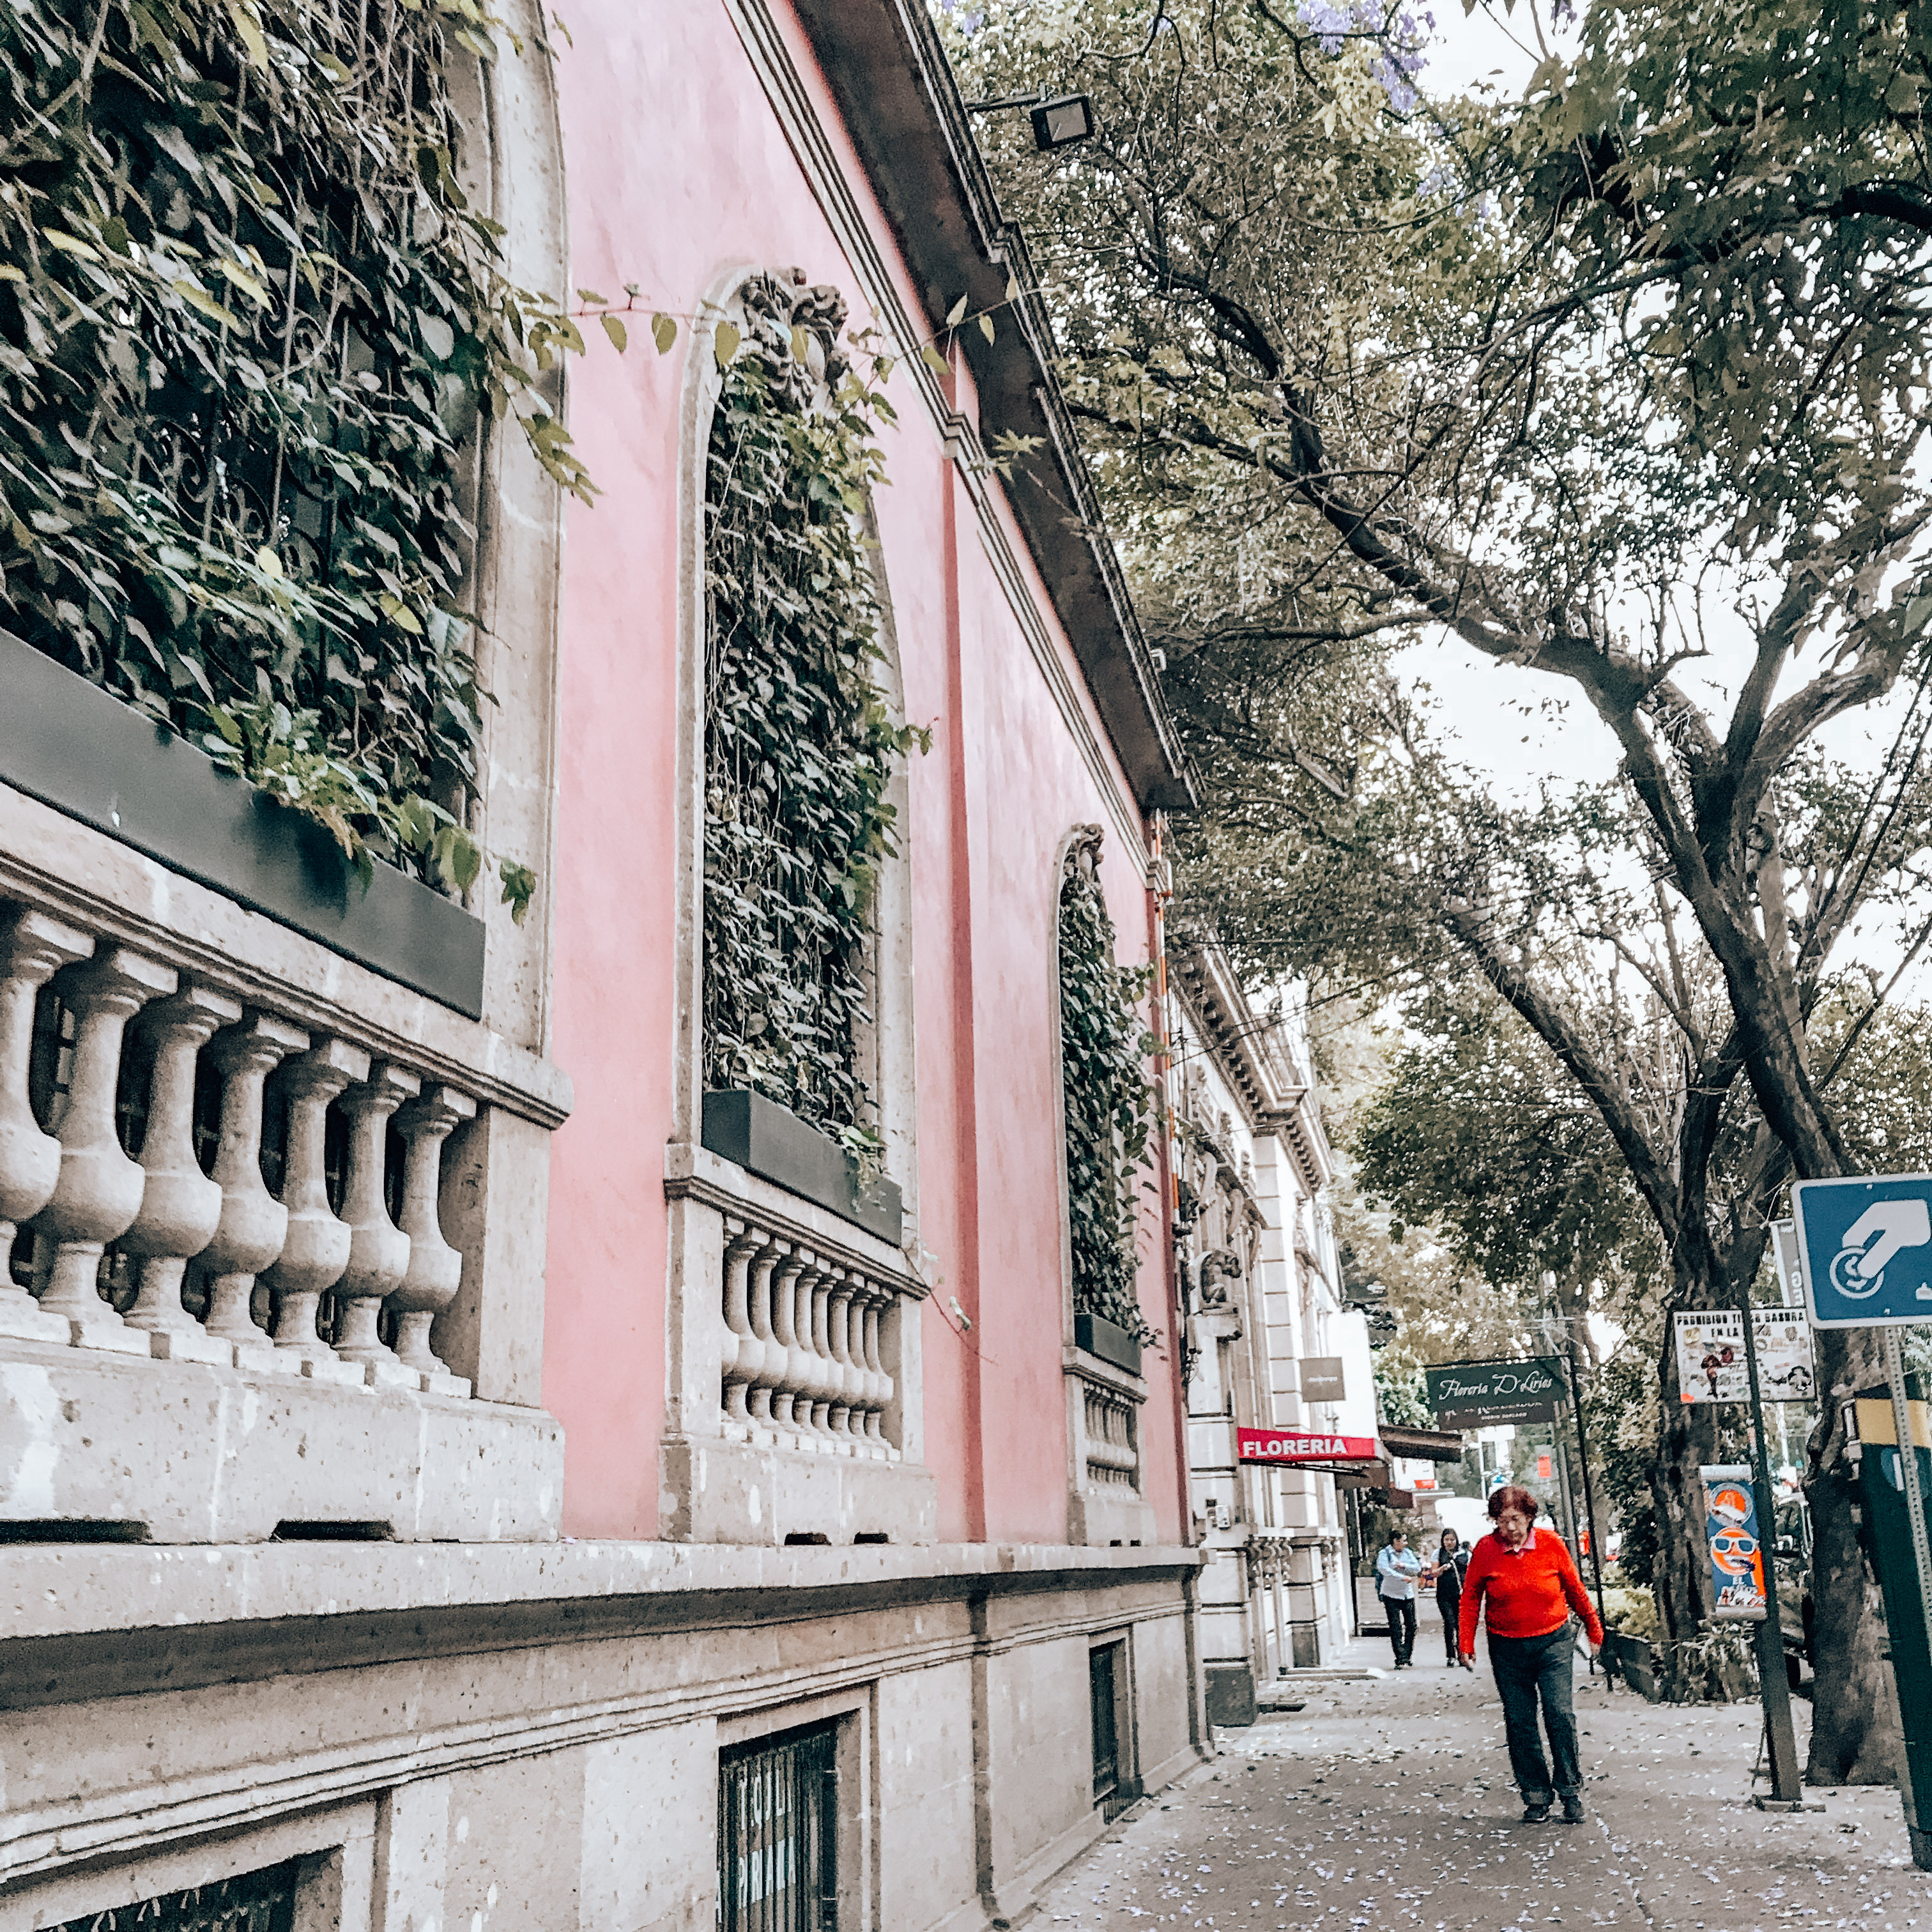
1277, 1445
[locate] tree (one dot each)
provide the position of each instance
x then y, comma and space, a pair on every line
1580, 381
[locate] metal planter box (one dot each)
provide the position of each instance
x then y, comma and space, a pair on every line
81, 750
1108, 1340
771, 1142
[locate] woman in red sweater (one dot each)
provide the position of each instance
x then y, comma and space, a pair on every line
1528, 1585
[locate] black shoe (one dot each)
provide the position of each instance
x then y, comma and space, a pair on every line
1572, 1807
1536, 1812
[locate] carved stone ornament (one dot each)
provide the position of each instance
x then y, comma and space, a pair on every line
774, 305
1083, 852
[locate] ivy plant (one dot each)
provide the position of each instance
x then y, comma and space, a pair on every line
799, 742
1104, 1045
249, 324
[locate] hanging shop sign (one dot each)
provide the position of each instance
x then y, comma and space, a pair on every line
1322, 1379
1711, 1362
1480, 1395
1730, 1535
1282, 1445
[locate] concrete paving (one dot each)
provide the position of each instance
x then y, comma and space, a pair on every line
1385, 1804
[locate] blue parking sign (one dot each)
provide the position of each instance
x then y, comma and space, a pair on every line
1865, 1245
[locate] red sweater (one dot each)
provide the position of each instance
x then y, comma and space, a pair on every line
1531, 1591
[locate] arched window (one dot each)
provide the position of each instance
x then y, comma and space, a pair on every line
255, 321
801, 746
1103, 1047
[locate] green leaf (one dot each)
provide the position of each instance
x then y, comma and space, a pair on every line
933, 361
439, 338
800, 346
664, 332
615, 330
953, 314
199, 299
248, 24
725, 340
268, 562
592, 295
986, 327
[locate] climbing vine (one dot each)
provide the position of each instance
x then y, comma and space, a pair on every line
1104, 1045
249, 322
799, 745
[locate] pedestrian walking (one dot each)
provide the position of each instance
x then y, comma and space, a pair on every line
1525, 1582
1452, 1559
1397, 1566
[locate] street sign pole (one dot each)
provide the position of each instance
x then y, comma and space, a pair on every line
1589, 1498
1787, 1785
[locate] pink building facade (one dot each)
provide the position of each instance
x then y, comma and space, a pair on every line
669, 1522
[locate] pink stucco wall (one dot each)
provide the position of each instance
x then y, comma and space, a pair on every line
677, 171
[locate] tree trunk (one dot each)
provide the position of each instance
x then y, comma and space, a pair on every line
1686, 1438
1854, 1737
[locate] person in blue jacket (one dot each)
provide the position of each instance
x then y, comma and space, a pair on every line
1397, 1568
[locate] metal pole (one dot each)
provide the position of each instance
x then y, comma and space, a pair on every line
1583, 1456
1787, 1785
1922, 1555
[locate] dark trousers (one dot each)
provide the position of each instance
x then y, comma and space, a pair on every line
1451, 1608
1401, 1625
1529, 1670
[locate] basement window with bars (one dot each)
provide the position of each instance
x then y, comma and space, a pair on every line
256, 1901
778, 1829
1114, 1788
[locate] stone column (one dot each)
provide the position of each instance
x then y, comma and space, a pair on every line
436, 1269
33, 948
99, 1191
316, 1249
379, 1251
253, 1223
181, 1207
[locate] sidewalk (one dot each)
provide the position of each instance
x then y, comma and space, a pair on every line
1386, 1803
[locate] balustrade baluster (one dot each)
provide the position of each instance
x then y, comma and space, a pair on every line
33, 948
795, 1370
882, 1383
771, 1365
436, 1269
99, 1191
844, 1372
316, 1249
181, 1207
253, 1223
823, 1375
379, 1251
740, 1352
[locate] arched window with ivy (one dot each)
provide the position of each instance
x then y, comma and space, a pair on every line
800, 744
249, 324
1104, 1043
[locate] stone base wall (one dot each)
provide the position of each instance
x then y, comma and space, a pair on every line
545, 1757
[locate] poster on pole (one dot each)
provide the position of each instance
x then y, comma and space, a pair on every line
1712, 1365
1730, 1535
1790, 1266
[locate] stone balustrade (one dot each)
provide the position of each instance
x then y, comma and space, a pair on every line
209, 1242
799, 1359
271, 1231
794, 1411
1112, 1460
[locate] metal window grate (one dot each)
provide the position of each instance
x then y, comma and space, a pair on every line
257, 1901
778, 1814
1114, 1789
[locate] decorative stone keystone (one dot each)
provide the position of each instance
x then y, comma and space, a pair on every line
379, 1251
99, 1192
316, 1249
253, 1222
33, 948
435, 1268
181, 1207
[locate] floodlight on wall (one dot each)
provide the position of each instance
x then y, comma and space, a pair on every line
1062, 122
